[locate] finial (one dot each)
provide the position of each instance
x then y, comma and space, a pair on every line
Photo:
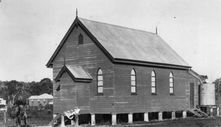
76, 12
156, 30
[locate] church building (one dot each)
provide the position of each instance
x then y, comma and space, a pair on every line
116, 74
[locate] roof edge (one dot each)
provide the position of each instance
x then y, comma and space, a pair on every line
65, 69
174, 51
114, 60
49, 63
196, 75
146, 63
77, 21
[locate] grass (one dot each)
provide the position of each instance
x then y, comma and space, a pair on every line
35, 118
30, 122
188, 122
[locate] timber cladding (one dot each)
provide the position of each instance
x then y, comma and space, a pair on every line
144, 100
116, 97
90, 57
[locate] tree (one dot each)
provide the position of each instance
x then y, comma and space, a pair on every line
46, 86
17, 90
35, 88
3, 90
12, 90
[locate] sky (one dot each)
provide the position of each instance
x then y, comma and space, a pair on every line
30, 30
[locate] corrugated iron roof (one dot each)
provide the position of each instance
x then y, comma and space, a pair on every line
45, 95
42, 96
131, 44
78, 72
75, 72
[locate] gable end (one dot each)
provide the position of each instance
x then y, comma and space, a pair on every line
77, 23
78, 74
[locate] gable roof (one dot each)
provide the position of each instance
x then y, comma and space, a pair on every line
77, 73
124, 44
196, 75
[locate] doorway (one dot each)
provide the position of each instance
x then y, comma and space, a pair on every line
191, 95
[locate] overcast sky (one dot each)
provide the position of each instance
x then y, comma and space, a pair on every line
30, 30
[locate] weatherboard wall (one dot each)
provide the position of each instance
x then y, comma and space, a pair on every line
71, 94
90, 57
144, 101
117, 97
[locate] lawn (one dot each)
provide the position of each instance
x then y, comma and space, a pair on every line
33, 122
188, 122
35, 118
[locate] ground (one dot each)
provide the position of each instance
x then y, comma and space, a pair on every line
188, 122
31, 122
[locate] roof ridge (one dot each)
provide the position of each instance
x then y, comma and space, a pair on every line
125, 27
108, 37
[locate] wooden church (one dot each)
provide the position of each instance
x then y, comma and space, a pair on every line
115, 74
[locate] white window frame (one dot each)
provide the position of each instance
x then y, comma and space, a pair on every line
153, 82
100, 82
171, 83
133, 87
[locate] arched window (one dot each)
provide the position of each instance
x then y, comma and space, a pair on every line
80, 39
99, 81
171, 83
153, 82
133, 81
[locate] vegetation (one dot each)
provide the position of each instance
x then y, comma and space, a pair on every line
17, 92
12, 90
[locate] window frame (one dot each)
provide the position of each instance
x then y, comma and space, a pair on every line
133, 82
153, 83
171, 83
100, 80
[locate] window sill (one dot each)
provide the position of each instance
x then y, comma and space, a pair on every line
171, 94
153, 93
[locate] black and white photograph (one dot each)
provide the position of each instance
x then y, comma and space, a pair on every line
110, 63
